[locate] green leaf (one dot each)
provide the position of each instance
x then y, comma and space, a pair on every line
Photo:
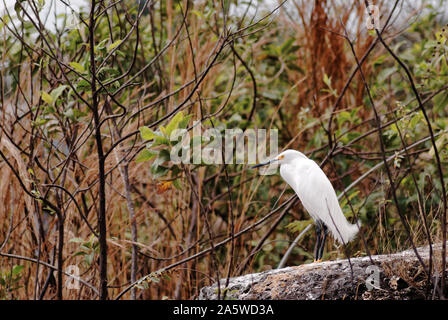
198, 13
158, 171
385, 73
89, 258
83, 85
46, 97
145, 155
109, 70
18, 8
114, 45
343, 117
17, 269
120, 53
85, 246
298, 226
414, 121
77, 66
173, 124
74, 114
40, 121
159, 140
48, 110
287, 45
177, 184
162, 130
164, 155
184, 122
55, 93
327, 81
146, 133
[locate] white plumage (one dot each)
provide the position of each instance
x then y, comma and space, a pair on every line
316, 194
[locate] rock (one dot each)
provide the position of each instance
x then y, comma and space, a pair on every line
390, 276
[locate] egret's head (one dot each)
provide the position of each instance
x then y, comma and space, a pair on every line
287, 156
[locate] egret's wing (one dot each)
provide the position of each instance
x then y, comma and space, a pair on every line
319, 199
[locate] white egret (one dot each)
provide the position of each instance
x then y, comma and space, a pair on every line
317, 196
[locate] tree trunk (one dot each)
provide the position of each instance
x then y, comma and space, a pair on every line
392, 276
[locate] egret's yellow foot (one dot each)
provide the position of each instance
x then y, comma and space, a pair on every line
317, 261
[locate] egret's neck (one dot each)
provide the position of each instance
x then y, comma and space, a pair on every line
286, 172
293, 172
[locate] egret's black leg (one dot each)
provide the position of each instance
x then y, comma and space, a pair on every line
318, 240
322, 243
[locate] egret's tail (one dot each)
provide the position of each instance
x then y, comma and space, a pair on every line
345, 232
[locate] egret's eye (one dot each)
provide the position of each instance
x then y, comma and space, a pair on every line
281, 157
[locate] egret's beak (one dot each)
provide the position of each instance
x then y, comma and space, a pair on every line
263, 164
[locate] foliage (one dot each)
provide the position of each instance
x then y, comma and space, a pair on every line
90, 116
9, 282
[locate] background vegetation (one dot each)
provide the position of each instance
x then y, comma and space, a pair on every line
85, 112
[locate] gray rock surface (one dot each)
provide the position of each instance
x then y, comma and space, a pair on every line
391, 276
